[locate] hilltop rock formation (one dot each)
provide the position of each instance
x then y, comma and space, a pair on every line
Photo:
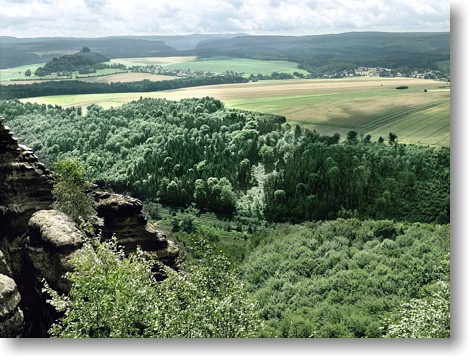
37, 242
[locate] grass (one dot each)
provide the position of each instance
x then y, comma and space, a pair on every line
233, 240
368, 105
128, 77
152, 61
238, 65
19, 72
10, 75
444, 64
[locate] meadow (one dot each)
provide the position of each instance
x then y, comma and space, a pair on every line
152, 60
17, 75
247, 66
18, 72
368, 105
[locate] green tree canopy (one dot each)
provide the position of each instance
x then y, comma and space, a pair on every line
115, 296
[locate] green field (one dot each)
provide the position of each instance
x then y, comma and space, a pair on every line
238, 65
368, 105
18, 73
152, 60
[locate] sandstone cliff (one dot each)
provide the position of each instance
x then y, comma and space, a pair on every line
37, 242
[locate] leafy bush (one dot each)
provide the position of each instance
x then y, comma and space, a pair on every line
344, 279
114, 296
70, 191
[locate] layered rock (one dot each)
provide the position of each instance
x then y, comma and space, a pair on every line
123, 218
26, 186
4, 267
52, 242
37, 243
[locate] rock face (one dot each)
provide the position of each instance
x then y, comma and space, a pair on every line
123, 218
26, 185
4, 267
11, 317
37, 243
52, 241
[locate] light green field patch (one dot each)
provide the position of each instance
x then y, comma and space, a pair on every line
152, 60
98, 73
238, 65
19, 72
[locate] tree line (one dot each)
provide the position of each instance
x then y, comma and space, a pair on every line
47, 88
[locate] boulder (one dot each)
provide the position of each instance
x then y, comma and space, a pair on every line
52, 241
4, 267
123, 218
11, 317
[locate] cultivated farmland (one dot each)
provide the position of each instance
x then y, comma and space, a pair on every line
152, 60
246, 66
368, 105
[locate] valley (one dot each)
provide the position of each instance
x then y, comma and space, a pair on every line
227, 186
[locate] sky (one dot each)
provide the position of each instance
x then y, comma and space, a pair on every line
96, 18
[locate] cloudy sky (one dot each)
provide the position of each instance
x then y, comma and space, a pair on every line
94, 18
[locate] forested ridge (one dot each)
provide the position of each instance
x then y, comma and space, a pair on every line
84, 62
196, 151
333, 53
318, 54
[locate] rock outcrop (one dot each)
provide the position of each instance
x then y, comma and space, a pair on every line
26, 185
52, 241
123, 218
37, 243
11, 316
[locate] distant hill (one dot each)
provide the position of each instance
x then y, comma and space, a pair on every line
319, 54
16, 52
336, 52
85, 61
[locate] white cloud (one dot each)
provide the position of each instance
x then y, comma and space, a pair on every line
80, 18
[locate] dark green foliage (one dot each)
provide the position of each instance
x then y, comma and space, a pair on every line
360, 179
223, 160
70, 191
344, 278
84, 62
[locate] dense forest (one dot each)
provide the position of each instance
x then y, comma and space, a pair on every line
367, 255
347, 278
196, 151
